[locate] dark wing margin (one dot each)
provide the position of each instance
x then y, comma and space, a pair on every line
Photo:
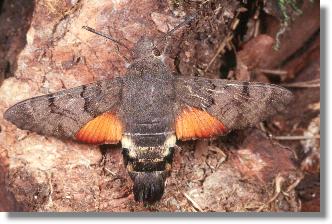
63, 114
236, 104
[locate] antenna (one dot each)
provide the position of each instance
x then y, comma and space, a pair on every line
169, 33
110, 38
185, 22
104, 35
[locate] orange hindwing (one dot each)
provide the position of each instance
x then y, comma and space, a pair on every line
105, 128
193, 123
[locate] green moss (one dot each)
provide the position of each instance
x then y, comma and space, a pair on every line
287, 7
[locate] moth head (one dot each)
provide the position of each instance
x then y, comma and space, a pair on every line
148, 167
145, 47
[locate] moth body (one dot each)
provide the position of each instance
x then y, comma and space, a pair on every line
148, 99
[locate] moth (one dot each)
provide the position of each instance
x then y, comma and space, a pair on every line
147, 111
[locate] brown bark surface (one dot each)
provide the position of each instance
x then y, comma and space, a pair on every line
243, 171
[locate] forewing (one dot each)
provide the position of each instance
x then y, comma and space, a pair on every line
235, 104
63, 114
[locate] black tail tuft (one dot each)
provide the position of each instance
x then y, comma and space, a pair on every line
148, 187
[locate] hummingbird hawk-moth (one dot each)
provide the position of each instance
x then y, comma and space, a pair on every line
148, 110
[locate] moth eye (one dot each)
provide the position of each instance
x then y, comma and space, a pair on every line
156, 52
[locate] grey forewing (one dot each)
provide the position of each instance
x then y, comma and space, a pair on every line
63, 113
236, 104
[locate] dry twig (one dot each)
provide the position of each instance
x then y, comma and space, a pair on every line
295, 137
194, 204
306, 84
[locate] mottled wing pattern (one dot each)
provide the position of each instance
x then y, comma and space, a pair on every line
64, 113
236, 104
